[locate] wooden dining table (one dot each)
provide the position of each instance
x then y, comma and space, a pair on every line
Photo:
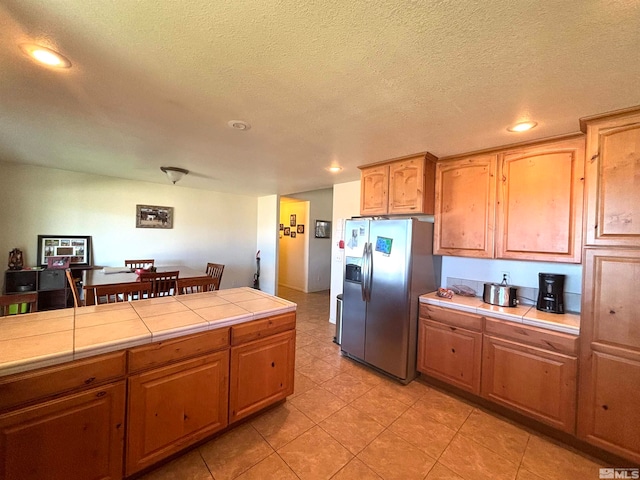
115, 276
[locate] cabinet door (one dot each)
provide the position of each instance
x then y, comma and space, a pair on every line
261, 374
465, 207
451, 354
612, 173
374, 190
173, 407
539, 215
609, 416
76, 437
535, 382
411, 186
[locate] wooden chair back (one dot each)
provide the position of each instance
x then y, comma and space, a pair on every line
30, 299
133, 264
163, 284
214, 270
122, 293
197, 285
73, 288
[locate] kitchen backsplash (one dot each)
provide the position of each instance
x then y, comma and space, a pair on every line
526, 295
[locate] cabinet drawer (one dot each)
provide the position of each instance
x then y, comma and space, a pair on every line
175, 349
537, 337
23, 388
452, 317
257, 329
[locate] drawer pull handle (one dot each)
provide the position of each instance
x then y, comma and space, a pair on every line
89, 380
101, 394
273, 364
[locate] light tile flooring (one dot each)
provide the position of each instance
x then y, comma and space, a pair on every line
346, 422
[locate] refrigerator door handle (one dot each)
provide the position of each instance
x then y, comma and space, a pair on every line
363, 274
369, 270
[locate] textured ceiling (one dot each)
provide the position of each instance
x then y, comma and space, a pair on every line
352, 82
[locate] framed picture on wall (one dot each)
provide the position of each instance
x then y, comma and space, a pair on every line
300, 228
293, 234
287, 231
323, 229
152, 216
75, 247
292, 220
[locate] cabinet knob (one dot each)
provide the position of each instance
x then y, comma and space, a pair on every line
89, 380
273, 364
605, 407
453, 350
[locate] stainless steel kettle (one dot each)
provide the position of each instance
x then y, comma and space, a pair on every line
500, 294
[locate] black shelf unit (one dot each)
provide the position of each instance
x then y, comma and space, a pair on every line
51, 285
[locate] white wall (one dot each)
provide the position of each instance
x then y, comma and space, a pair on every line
346, 204
208, 226
268, 213
319, 249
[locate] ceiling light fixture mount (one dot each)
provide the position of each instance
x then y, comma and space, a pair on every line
238, 125
522, 126
45, 56
334, 168
175, 174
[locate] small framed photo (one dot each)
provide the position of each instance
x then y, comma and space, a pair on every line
152, 216
323, 229
75, 248
58, 262
293, 234
287, 231
300, 228
282, 226
292, 220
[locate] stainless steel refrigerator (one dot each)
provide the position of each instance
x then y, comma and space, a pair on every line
388, 265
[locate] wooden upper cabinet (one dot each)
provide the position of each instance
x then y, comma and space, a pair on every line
401, 186
374, 186
612, 173
465, 206
540, 197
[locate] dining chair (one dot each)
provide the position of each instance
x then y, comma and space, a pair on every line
196, 285
163, 284
122, 293
214, 270
74, 289
29, 299
133, 264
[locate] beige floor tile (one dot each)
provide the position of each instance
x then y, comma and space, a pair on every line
407, 394
301, 384
302, 339
440, 472
472, 461
527, 475
500, 436
346, 387
235, 452
380, 406
318, 370
356, 470
554, 462
315, 455
317, 403
304, 327
444, 408
322, 349
362, 373
282, 424
393, 458
303, 357
423, 432
190, 466
271, 468
352, 428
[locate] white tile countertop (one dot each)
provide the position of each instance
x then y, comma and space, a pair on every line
48, 338
525, 314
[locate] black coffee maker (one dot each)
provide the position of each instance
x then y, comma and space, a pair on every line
551, 293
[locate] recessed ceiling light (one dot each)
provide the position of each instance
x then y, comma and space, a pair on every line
238, 125
334, 168
45, 56
522, 126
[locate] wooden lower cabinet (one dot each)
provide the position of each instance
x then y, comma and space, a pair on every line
609, 415
262, 373
450, 353
75, 437
535, 382
172, 407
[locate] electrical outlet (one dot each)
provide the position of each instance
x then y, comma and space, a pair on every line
507, 275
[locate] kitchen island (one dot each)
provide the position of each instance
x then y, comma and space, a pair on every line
107, 391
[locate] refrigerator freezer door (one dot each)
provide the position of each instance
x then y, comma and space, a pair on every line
388, 319
354, 307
